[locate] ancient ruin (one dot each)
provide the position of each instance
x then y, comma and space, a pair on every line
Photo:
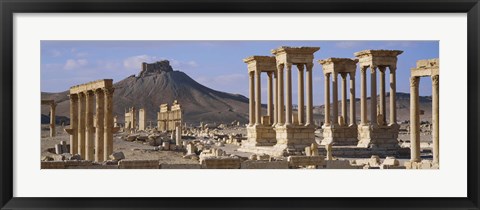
131, 119
142, 120
425, 68
91, 143
338, 131
377, 133
169, 117
53, 106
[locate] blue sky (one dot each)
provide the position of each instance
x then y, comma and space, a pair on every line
215, 64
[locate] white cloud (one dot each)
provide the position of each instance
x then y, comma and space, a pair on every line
75, 64
55, 53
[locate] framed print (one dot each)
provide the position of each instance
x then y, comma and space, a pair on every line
241, 105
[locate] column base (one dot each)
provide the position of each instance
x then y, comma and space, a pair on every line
291, 138
260, 135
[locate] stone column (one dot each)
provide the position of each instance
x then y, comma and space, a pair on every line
53, 106
414, 120
363, 94
393, 94
300, 85
81, 124
99, 136
383, 105
252, 99
335, 98
270, 96
309, 95
352, 99
74, 123
275, 99
108, 124
327, 99
344, 97
258, 100
281, 102
89, 136
373, 95
288, 113
435, 118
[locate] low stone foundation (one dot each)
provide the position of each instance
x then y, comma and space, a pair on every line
359, 152
425, 164
221, 163
138, 164
260, 135
297, 161
180, 166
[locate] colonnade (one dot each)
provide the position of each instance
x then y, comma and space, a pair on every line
425, 68
92, 143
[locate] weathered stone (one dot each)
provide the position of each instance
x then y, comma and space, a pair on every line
138, 164
251, 164
117, 156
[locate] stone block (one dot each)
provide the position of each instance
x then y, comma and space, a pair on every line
295, 161
52, 165
138, 164
180, 166
70, 163
221, 163
117, 156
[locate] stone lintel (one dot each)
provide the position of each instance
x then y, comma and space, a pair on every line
164, 108
428, 67
294, 55
338, 65
103, 83
262, 63
48, 102
378, 58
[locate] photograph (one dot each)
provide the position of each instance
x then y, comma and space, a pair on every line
239, 104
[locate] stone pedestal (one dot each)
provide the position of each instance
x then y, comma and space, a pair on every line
294, 138
260, 135
340, 135
385, 136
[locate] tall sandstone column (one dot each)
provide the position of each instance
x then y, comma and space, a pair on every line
373, 95
344, 96
435, 118
108, 132
327, 99
258, 100
300, 86
363, 94
352, 99
252, 99
335, 98
393, 96
275, 99
74, 123
382, 93
288, 114
281, 102
270, 96
89, 136
81, 124
309, 95
53, 106
414, 120
99, 136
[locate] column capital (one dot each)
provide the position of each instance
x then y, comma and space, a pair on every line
108, 91
270, 73
414, 81
81, 95
363, 69
98, 91
88, 92
382, 69
309, 66
280, 66
435, 79
344, 75
73, 97
373, 68
352, 75
288, 66
392, 69
301, 67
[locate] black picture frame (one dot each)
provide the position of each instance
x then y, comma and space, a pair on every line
10, 7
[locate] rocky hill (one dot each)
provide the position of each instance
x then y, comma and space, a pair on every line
158, 83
